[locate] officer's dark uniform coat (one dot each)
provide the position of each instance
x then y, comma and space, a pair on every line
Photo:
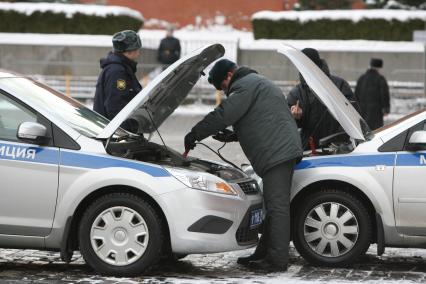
117, 85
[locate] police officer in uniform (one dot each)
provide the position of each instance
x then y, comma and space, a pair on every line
117, 84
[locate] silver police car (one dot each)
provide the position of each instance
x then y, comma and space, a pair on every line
73, 180
359, 187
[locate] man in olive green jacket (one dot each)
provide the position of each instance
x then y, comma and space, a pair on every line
258, 112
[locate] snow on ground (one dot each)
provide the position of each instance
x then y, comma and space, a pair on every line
70, 9
352, 15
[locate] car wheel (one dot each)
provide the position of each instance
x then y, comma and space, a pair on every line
120, 234
331, 228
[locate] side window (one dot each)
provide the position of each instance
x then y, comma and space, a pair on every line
395, 144
12, 114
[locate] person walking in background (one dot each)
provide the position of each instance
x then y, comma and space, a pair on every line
311, 115
117, 83
372, 92
169, 49
258, 112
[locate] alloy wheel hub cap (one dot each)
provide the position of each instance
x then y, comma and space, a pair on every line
119, 236
331, 229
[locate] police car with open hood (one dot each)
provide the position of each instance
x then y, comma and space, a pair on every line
73, 180
359, 187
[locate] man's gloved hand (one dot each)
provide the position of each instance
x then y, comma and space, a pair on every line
226, 135
190, 140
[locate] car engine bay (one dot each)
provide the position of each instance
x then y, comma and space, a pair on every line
142, 150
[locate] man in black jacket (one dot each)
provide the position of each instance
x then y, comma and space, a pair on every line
117, 84
311, 115
372, 92
258, 112
169, 49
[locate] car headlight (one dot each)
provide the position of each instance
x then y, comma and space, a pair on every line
248, 170
202, 181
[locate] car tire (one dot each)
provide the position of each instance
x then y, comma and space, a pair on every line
331, 228
121, 234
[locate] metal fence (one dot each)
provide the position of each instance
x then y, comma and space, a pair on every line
83, 87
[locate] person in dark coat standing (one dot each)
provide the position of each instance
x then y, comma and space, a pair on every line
258, 112
169, 49
117, 83
372, 92
311, 115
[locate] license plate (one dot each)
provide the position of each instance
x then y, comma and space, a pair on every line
255, 217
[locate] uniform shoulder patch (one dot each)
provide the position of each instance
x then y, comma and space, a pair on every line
121, 84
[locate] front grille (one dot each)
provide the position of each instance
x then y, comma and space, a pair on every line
249, 187
245, 234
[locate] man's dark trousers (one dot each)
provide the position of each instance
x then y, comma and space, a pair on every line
276, 195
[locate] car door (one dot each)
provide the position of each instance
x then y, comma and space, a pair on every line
410, 187
28, 174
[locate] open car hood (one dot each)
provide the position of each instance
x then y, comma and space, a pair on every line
166, 92
338, 106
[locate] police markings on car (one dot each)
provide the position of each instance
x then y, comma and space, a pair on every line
17, 152
422, 160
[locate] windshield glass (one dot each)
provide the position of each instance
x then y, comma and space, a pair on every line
76, 115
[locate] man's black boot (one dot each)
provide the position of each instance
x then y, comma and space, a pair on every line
247, 259
267, 265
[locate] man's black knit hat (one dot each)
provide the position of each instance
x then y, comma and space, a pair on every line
218, 73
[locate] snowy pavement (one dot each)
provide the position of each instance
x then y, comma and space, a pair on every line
395, 266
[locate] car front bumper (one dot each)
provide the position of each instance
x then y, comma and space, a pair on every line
189, 212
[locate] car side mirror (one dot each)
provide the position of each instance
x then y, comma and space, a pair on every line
418, 140
418, 137
32, 132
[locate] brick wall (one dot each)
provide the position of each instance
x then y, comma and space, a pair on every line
185, 12
204, 12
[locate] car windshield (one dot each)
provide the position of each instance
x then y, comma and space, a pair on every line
76, 115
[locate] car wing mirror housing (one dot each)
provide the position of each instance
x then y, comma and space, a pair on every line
418, 140
32, 132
